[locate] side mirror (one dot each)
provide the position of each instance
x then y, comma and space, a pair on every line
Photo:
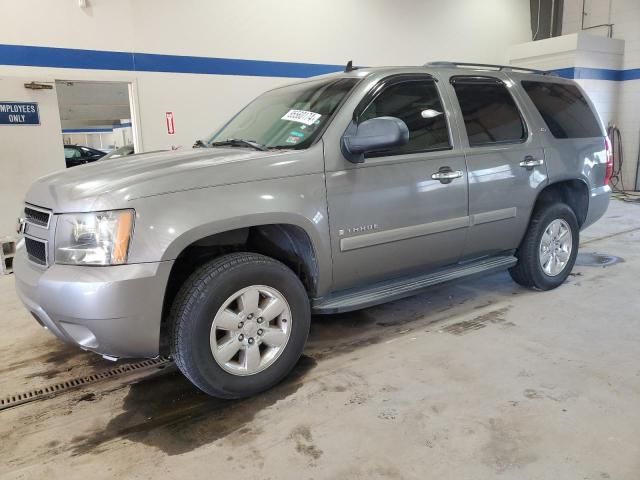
374, 134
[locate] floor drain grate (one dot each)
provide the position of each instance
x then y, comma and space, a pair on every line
58, 388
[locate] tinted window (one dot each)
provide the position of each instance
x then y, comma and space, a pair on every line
564, 109
489, 111
417, 104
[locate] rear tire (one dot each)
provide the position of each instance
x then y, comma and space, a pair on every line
221, 307
548, 251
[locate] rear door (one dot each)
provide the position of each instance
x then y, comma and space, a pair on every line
391, 216
505, 160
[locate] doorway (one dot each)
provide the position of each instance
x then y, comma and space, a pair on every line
97, 119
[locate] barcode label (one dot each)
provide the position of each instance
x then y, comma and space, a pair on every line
302, 116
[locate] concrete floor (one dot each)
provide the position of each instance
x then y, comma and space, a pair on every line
478, 380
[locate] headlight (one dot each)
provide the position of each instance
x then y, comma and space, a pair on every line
100, 238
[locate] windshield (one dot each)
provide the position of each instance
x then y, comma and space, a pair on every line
287, 117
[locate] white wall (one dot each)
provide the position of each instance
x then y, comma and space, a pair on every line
26, 150
580, 49
371, 32
625, 15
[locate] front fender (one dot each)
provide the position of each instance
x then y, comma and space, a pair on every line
167, 224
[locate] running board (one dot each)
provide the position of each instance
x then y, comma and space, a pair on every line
355, 299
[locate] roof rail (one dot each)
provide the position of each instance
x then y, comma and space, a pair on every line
486, 66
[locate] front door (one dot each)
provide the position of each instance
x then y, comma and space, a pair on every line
394, 214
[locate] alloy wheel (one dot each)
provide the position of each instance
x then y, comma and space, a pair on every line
251, 330
555, 247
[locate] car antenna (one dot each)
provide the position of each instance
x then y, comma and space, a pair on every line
350, 67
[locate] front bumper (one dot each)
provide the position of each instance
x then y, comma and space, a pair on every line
114, 311
598, 204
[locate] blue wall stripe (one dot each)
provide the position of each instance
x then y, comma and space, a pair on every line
148, 62
564, 72
30, 56
95, 130
87, 130
65, 58
586, 73
631, 74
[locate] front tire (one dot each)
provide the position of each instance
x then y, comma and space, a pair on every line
240, 324
548, 251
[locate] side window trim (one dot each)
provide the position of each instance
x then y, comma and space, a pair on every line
526, 132
385, 83
391, 81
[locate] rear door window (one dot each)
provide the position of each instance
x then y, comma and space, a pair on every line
490, 114
564, 109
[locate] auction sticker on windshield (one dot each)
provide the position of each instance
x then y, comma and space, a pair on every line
302, 116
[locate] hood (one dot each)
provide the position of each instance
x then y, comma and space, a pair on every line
107, 184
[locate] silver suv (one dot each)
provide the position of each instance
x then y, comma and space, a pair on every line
329, 195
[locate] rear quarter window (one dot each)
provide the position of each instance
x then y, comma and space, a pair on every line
564, 109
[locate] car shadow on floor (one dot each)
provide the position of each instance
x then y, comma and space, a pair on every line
164, 410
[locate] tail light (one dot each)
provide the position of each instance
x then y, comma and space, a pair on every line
609, 170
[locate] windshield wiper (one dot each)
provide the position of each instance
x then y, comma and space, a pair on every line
239, 142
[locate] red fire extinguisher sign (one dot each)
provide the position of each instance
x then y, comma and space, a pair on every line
171, 126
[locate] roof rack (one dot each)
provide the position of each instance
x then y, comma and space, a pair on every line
486, 66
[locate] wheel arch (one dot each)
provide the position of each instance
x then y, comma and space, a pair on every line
573, 192
286, 242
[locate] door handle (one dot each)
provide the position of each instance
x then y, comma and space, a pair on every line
446, 175
529, 162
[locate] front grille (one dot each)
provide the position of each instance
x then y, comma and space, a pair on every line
37, 217
36, 250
